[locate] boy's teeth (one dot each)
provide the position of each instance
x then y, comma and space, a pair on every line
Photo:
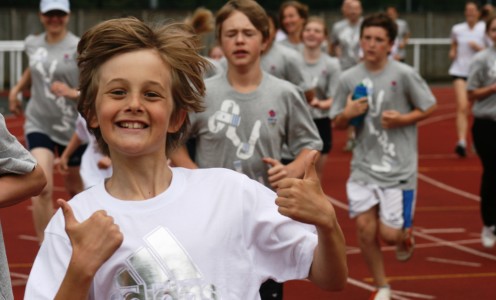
133, 125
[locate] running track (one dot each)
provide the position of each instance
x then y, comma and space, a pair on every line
449, 261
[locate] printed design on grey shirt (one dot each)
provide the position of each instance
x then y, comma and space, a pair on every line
161, 270
229, 117
38, 59
376, 107
491, 65
349, 39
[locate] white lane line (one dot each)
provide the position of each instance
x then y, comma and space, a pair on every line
455, 245
356, 250
435, 119
442, 242
442, 230
395, 294
19, 275
28, 237
453, 262
448, 188
437, 156
414, 295
19, 282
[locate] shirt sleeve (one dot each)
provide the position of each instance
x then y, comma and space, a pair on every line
475, 78
419, 92
14, 158
51, 263
302, 133
282, 248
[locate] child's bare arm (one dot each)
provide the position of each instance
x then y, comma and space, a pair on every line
394, 119
93, 242
303, 200
16, 188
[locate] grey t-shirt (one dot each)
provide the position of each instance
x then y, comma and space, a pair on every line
347, 37
482, 73
237, 130
14, 159
285, 42
45, 112
324, 76
285, 63
387, 157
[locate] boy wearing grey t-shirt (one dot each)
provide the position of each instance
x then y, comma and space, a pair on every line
381, 187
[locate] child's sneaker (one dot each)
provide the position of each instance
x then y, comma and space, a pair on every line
382, 293
488, 238
404, 250
461, 150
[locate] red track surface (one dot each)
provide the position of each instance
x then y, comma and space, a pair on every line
449, 261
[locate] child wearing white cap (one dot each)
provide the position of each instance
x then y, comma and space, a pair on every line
50, 116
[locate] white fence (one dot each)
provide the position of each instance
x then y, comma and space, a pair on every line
418, 42
14, 50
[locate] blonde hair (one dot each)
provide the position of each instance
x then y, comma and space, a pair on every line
175, 43
202, 20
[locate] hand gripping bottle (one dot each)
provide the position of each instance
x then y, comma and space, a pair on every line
359, 92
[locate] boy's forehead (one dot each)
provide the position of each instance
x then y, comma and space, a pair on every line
376, 31
237, 20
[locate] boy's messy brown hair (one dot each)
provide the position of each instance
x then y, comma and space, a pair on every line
175, 43
251, 9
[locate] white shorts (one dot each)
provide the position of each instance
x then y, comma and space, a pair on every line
396, 206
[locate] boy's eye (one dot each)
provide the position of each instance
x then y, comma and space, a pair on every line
151, 95
118, 92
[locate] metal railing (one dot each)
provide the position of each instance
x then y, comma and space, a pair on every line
418, 42
15, 50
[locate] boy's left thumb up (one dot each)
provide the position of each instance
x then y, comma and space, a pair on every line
310, 161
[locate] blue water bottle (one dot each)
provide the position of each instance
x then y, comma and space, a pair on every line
359, 92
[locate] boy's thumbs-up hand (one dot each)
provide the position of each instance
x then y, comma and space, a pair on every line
93, 240
303, 199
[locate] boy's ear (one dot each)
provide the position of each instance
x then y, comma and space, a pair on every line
177, 120
94, 122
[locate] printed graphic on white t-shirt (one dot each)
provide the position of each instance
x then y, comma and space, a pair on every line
161, 269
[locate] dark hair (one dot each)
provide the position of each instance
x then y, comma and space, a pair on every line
274, 18
175, 43
491, 18
381, 20
476, 3
251, 9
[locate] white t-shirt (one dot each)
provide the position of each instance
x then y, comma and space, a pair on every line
463, 35
213, 234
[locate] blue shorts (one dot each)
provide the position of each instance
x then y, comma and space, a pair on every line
41, 140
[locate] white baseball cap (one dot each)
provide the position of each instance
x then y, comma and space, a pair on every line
48, 5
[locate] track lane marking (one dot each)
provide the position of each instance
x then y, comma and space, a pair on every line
453, 262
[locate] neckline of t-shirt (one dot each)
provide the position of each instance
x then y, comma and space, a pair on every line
167, 197
378, 73
251, 95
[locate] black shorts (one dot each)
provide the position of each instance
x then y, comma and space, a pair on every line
454, 77
325, 132
41, 140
